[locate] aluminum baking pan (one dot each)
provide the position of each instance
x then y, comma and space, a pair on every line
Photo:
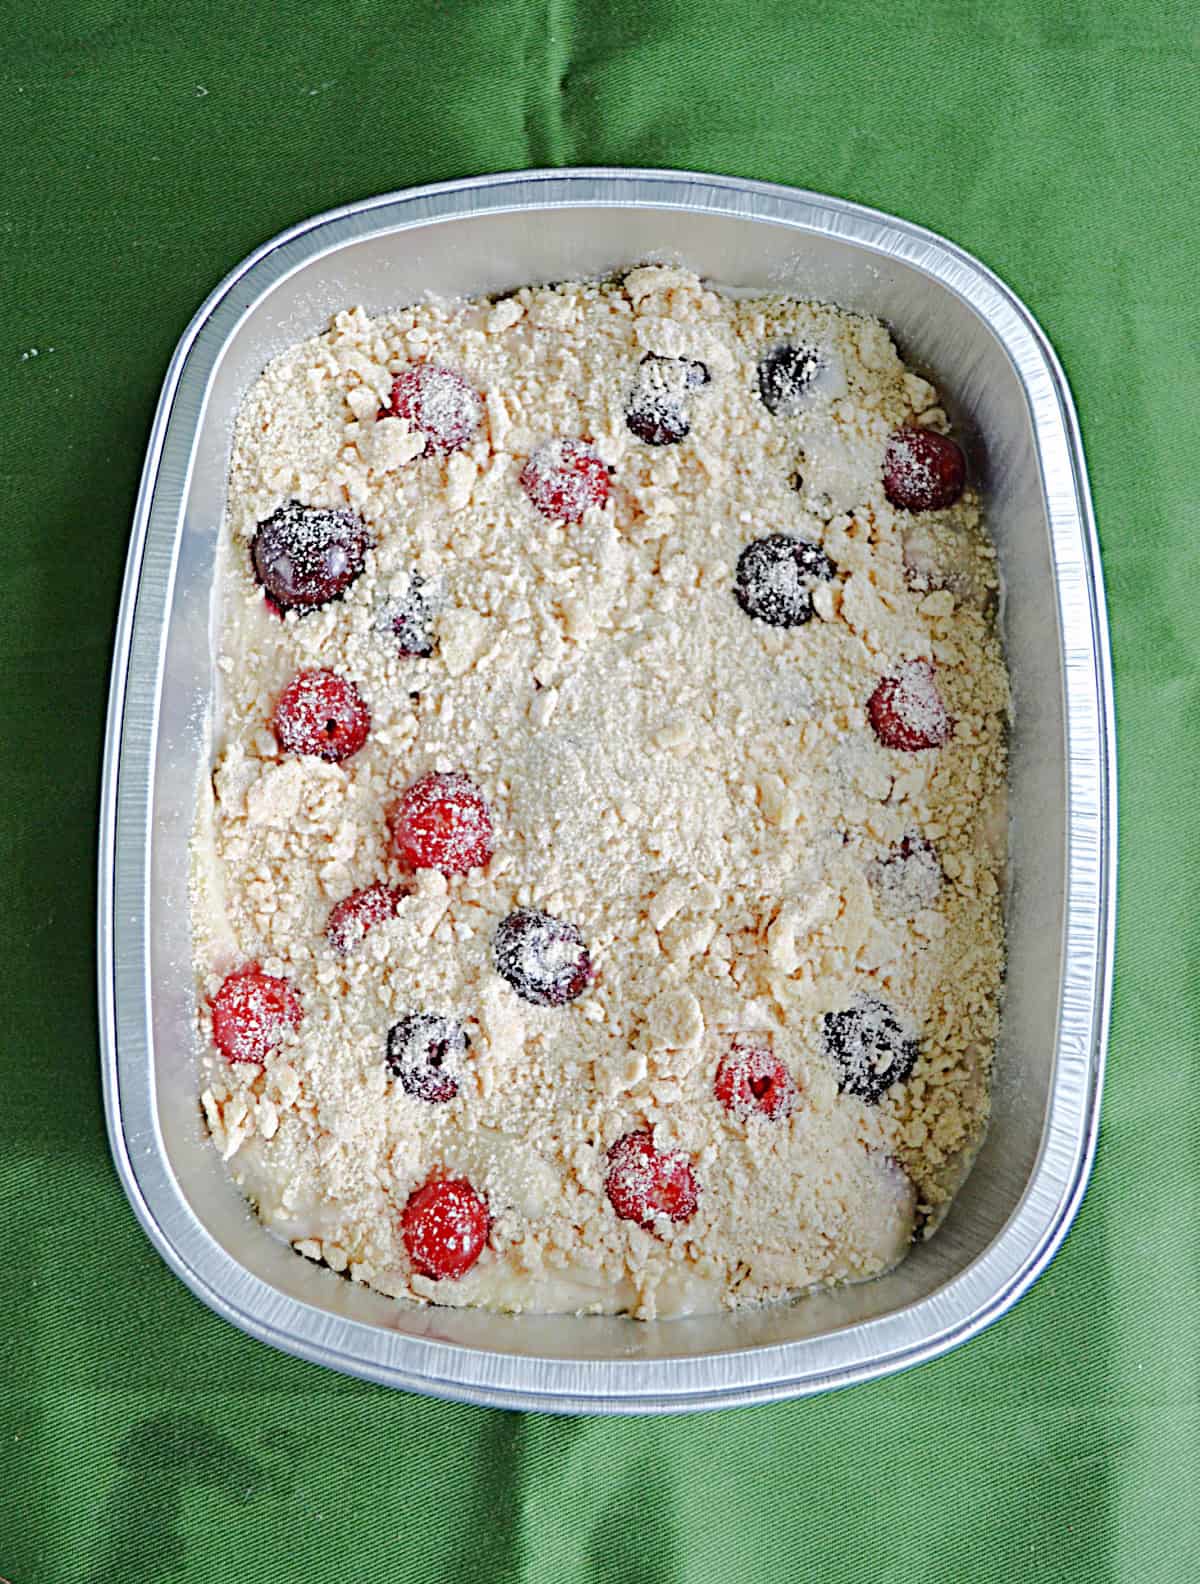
951, 317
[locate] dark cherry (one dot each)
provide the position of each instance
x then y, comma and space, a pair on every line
908, 879
923, 470
775, 577
870, 1049
305, 556
409, 620
544, 959
426, 1052
784, 375
656, 412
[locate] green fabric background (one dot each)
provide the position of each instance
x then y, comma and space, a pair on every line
145, 150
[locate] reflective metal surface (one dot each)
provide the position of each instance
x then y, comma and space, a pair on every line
951, 317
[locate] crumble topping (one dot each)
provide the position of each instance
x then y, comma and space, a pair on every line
700, 796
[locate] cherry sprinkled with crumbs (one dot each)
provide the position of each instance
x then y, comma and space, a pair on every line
544, 959
656, 411
906, 710
869, 1047
438, 402
442, 822
908, 879
354, 915
785, 376
321, 714
775, 577
426, 1052
306, 556
445, 1226
563, 478
249, 1013
408, 620
923, 470
644, 1182
752, 1081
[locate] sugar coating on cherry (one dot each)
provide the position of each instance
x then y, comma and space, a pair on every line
906, 710
442, 821
752, 1081
306, 556
356, 914
250, 1011
438, 402
923, 470
323, 715
643, 1182
444, 1226
544, 959
563, 478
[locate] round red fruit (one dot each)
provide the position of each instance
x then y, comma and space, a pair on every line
644, 1182
445, 1225
438, 402
752, 1081
353, 916
442, 822
322, 714
563, 478
906, 710
923, 470
249, 1013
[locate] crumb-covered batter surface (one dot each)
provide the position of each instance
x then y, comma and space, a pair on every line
597, 898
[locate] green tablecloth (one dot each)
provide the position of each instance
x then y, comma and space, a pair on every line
145, 150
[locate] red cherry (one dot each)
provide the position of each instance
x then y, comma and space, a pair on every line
563, 478
445, 1225
751, 1081
353, 916
321, 713
644, 1182
250, 1011
438, 402
442, 822
906, 710
923, 470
